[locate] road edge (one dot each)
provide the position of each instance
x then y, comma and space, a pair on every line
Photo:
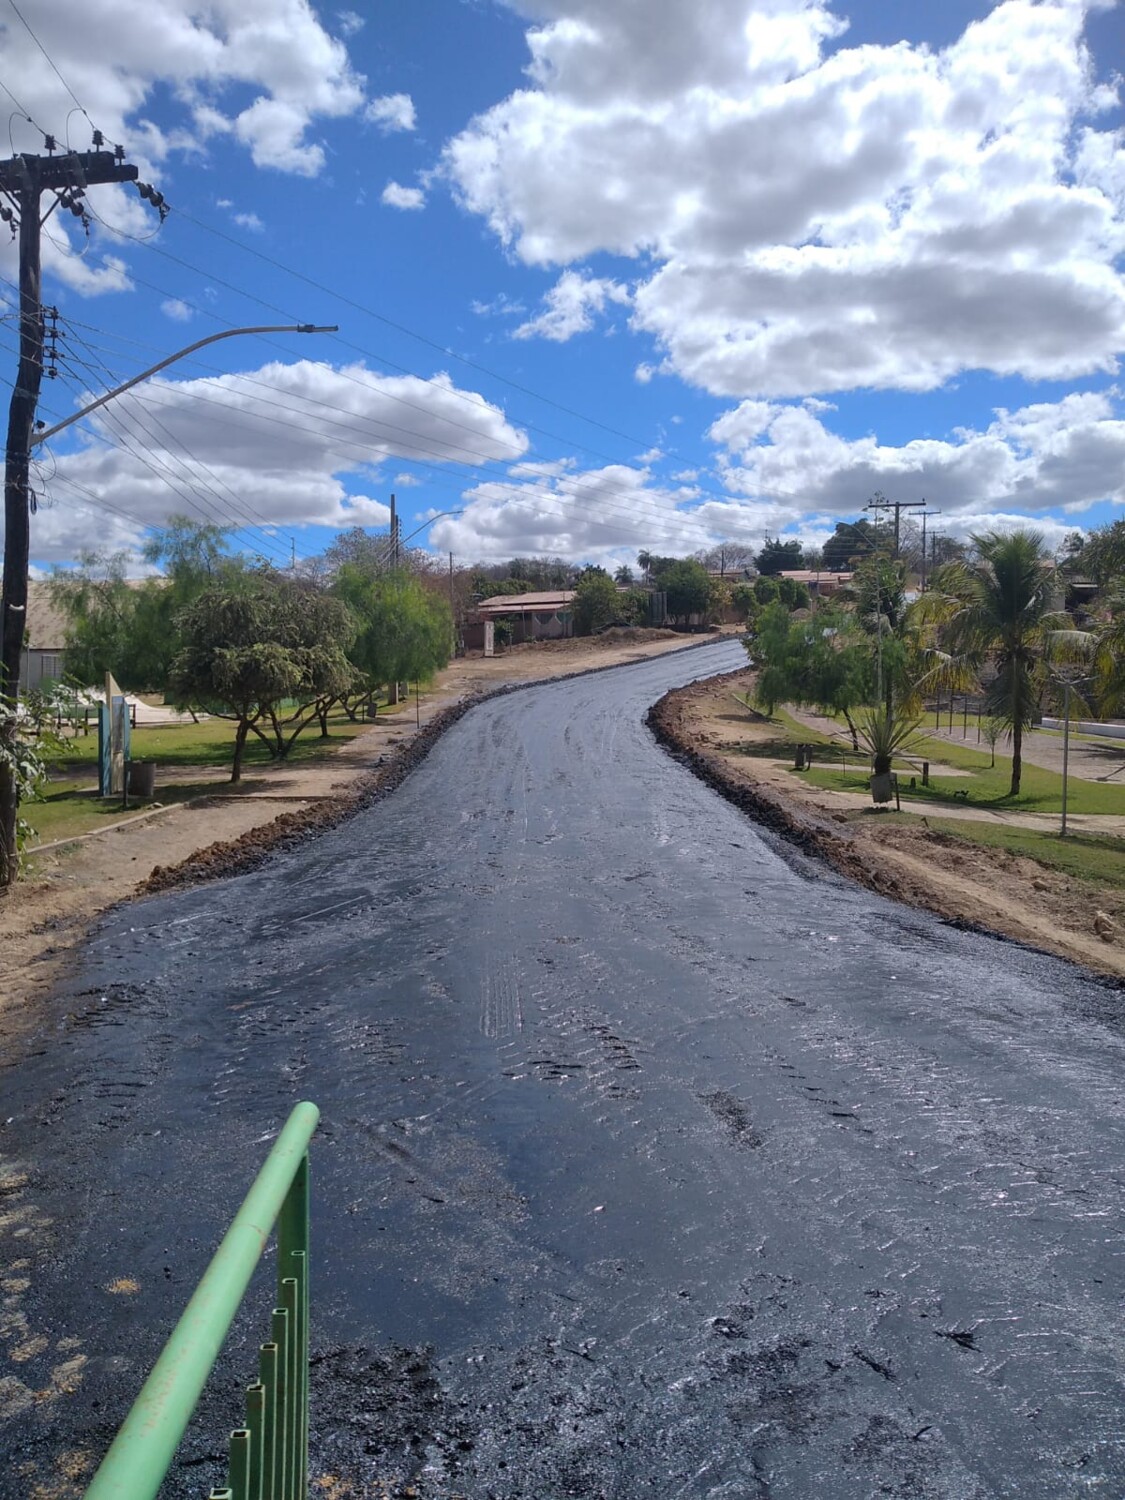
821, 839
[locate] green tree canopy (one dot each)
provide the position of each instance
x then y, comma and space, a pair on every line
792, 593
404, 631
687, 586
597, 603
851, 540
822, 662
778, 556
1002, 609
254, 641
129, 627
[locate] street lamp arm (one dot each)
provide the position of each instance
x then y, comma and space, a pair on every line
212, 338
430, 522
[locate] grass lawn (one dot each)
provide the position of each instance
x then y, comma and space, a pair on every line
1083, 856
71, 806
209, 743
985, 786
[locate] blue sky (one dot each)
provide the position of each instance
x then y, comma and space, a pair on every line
609, 274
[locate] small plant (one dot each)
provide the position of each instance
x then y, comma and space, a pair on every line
885, 733
992, 729
27, 755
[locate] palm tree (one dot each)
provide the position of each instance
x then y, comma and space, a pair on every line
624, 574
1002, 608
1109, 655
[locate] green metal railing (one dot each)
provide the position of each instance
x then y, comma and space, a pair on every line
269, 1455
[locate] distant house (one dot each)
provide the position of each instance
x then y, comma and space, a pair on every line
545, 616
44, 639
819, 583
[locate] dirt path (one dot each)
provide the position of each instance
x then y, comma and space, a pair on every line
973, 886
70, 884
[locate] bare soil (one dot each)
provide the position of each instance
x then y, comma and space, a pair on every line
974, 886
229, 829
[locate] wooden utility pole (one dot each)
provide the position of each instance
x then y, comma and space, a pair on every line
879, 502
925, 513
23, 181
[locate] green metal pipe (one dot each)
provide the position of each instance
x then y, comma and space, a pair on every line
143, 1449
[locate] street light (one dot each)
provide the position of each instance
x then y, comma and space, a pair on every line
212, 338
1068, 680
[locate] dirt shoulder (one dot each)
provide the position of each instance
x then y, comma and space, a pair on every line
971, 885
70, 884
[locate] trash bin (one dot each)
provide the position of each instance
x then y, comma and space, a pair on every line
799, 758
142, 778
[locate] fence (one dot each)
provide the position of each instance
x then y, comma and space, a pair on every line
269, 1455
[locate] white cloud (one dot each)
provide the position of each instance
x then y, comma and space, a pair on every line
249, 221
394, 195
570, 306
1045, 456
350, 22
201, 60
596, 515
178, 311
296, 444
501, 306
812, 216
391, 112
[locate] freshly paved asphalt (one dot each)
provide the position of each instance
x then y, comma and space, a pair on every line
655, 1161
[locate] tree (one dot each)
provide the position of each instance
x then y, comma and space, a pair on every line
944, 550
596, 604
777, 556
403, 632
745, 602
687, 586
1103, 556
624, 575
541, 573
254, 641
822, 662
129, 627
878, 590
357, 548
1002, 609
505, 588
792, 593
652, 565
727, 557
851, 539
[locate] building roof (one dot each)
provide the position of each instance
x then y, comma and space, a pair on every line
502, 604
816, 575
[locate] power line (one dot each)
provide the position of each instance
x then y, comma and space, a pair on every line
77, 102
472, 459
402, 328
380, 359
241, 506
23, 112
163, 471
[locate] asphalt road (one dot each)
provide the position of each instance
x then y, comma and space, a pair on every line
655, 1161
